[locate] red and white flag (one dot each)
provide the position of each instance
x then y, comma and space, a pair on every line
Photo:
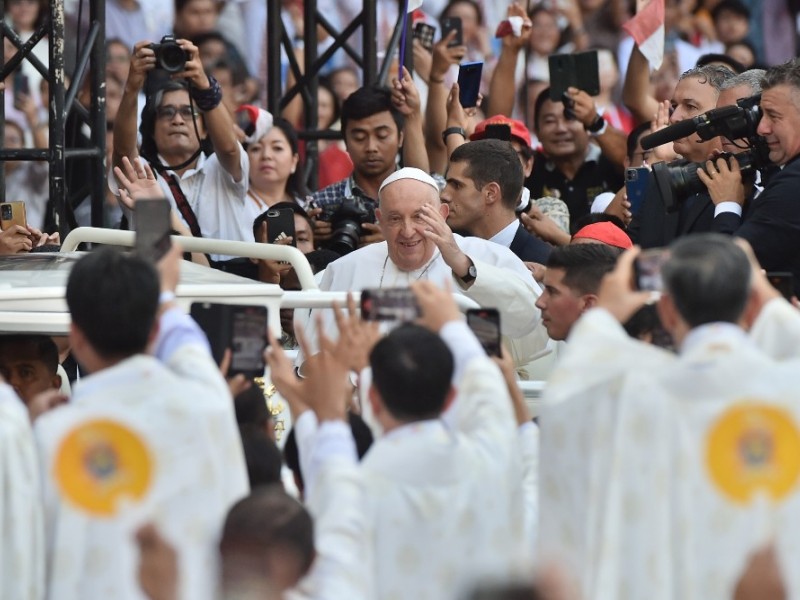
647, 29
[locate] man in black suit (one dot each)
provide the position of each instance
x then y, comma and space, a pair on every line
772, 223
697, 92
484, 183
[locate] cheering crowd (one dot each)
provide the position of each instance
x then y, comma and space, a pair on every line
631, 228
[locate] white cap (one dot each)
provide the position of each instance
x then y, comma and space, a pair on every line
601, 202
409, 173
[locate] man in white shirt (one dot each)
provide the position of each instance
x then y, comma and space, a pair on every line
420, 246
175, 405
656, 468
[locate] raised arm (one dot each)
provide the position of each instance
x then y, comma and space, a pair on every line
143, 59
503, 82
636, 88
405, 98
207, 94
612, 141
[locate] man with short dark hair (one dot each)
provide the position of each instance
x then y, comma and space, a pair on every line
571, 283
657, 443
484, 183
175, 404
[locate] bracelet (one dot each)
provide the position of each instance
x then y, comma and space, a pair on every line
597, 126
432, 80
209, 99
451, 130
166, 297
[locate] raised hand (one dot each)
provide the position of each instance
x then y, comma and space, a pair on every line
357, 337
405, 96
136, 182
664, 152
444, 56
143, 59
14, 240
436, 305
437, 230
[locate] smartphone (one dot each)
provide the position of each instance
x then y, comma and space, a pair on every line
280, 225
573, 70
424, 33
21, 85
469, 83
152, 229
242, 329
389, 304
449, 24
783, 281
647, 269
636, 180
485, 324
12, 213
498, 131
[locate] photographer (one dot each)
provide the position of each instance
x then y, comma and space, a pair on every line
772, 223
654, 226
204, 178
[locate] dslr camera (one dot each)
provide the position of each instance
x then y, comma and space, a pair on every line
678, 180
346, 224
170, 57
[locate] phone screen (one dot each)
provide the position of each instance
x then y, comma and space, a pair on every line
469, 83
647, 269
485, 324
389, 304
636, 180
248, 340
152, 229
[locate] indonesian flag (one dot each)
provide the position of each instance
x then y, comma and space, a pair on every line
647, 30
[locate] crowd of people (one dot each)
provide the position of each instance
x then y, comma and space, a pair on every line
663, 459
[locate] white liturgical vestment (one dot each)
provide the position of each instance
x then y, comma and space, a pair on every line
21, 518
661, 474
181, 407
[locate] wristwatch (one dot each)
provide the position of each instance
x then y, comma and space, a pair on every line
472, 273
598, 126
450, 130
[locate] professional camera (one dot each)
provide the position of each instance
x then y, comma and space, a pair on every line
346, 224
169, 55
678, 180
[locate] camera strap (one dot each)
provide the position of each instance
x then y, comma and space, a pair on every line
183, 204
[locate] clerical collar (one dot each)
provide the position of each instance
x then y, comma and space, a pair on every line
505, 236
719, 334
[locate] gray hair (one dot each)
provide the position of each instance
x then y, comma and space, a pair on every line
752, 78
788, 73
708, 277
713, 75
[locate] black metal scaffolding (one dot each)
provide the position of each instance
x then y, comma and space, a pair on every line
306, 78
63, 103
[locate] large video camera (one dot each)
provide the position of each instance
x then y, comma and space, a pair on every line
678, 180
169, 55
346, 224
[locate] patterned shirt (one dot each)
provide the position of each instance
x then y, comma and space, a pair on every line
330, 198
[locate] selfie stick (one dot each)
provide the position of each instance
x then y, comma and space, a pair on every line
402, 42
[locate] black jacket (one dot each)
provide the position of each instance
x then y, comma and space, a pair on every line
529, 248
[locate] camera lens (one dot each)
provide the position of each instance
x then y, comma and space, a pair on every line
6, 212
172, 57
345, 237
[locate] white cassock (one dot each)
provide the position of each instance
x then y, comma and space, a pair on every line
502, 282
631, 503
183, 410
443, 496
21, 518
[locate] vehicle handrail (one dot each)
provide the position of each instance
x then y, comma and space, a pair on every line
325, 299
116, 237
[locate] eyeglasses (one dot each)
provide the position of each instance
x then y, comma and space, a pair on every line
168, 112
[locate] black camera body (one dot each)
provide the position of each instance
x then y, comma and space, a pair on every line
678, 180
346, 224
170, 57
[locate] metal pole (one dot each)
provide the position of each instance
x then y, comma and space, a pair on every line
57, 116
369, 24
97, 14
310, 55
2, 105
274, 35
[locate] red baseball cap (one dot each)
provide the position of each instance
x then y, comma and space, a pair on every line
606, 233
518, 129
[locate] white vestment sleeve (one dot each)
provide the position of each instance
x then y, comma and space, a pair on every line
512, 295
528, 436
776, 330
336, 502
22, 548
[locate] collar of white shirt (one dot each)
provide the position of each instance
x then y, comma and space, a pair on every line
720, 333
505, 236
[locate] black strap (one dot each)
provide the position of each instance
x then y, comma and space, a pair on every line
183, 204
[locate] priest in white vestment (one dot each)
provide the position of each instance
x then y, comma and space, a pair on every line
175, 403
662, 473
420, 246
21, 518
